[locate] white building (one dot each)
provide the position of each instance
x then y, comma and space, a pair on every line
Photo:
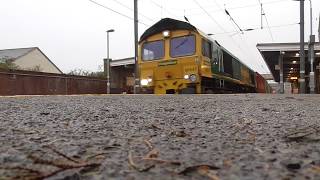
29, 59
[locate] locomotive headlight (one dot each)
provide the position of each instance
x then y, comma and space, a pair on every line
166, 33
186, 76
144, 82
193, 78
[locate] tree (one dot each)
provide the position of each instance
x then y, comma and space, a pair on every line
7, 64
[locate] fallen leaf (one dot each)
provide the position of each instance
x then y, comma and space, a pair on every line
134, 166
163, 161
315, 169
197, 167
205, 171
180, 133
154, 126
148, 143
154, 153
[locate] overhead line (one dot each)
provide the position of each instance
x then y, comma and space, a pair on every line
219, 24
158, 5
277, 26
227, 12
269, 27
204, 10
161, 7
283, 25
247, 54
129, 8
117, 12
238, 7
242, 51
265, 16
253, 5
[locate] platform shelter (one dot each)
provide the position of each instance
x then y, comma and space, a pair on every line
283, 61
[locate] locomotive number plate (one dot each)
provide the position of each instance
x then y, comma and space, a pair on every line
167, 63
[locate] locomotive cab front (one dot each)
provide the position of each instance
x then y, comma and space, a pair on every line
168, 63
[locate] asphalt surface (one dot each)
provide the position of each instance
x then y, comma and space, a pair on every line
247, 136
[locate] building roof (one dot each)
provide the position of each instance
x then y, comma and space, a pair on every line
122, 62
284, 46
13, 54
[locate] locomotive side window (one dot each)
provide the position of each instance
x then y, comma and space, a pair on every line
215, 60
183, 46
153, 50
215, 54
206, 48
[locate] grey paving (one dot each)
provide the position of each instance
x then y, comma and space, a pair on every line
246, 136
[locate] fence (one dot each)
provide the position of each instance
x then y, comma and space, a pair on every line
15, 82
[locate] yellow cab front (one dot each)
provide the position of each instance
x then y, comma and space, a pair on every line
169, 63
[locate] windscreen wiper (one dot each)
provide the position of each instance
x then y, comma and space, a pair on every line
182, 43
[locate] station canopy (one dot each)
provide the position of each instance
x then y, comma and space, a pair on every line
122, 62
291, 58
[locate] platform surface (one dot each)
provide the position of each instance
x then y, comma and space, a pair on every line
246, 136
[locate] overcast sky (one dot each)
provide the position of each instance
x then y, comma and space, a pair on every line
72, 32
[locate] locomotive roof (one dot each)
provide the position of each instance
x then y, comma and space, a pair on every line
167, 24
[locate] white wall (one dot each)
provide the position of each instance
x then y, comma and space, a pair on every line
36, 58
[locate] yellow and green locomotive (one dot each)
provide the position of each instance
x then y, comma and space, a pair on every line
177, 58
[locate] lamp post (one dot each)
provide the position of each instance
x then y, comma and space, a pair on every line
108, 61
302, 54
136, 69
311, 53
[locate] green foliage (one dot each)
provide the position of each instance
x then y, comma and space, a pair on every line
8, 65
82, 72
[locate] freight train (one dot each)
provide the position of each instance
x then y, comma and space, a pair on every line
177, 58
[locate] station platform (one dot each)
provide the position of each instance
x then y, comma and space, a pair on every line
283, 61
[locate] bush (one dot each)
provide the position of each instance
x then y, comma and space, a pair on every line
8, 65
82, 72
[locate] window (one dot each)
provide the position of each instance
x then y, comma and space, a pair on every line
182, 46
206, 48
153, 50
